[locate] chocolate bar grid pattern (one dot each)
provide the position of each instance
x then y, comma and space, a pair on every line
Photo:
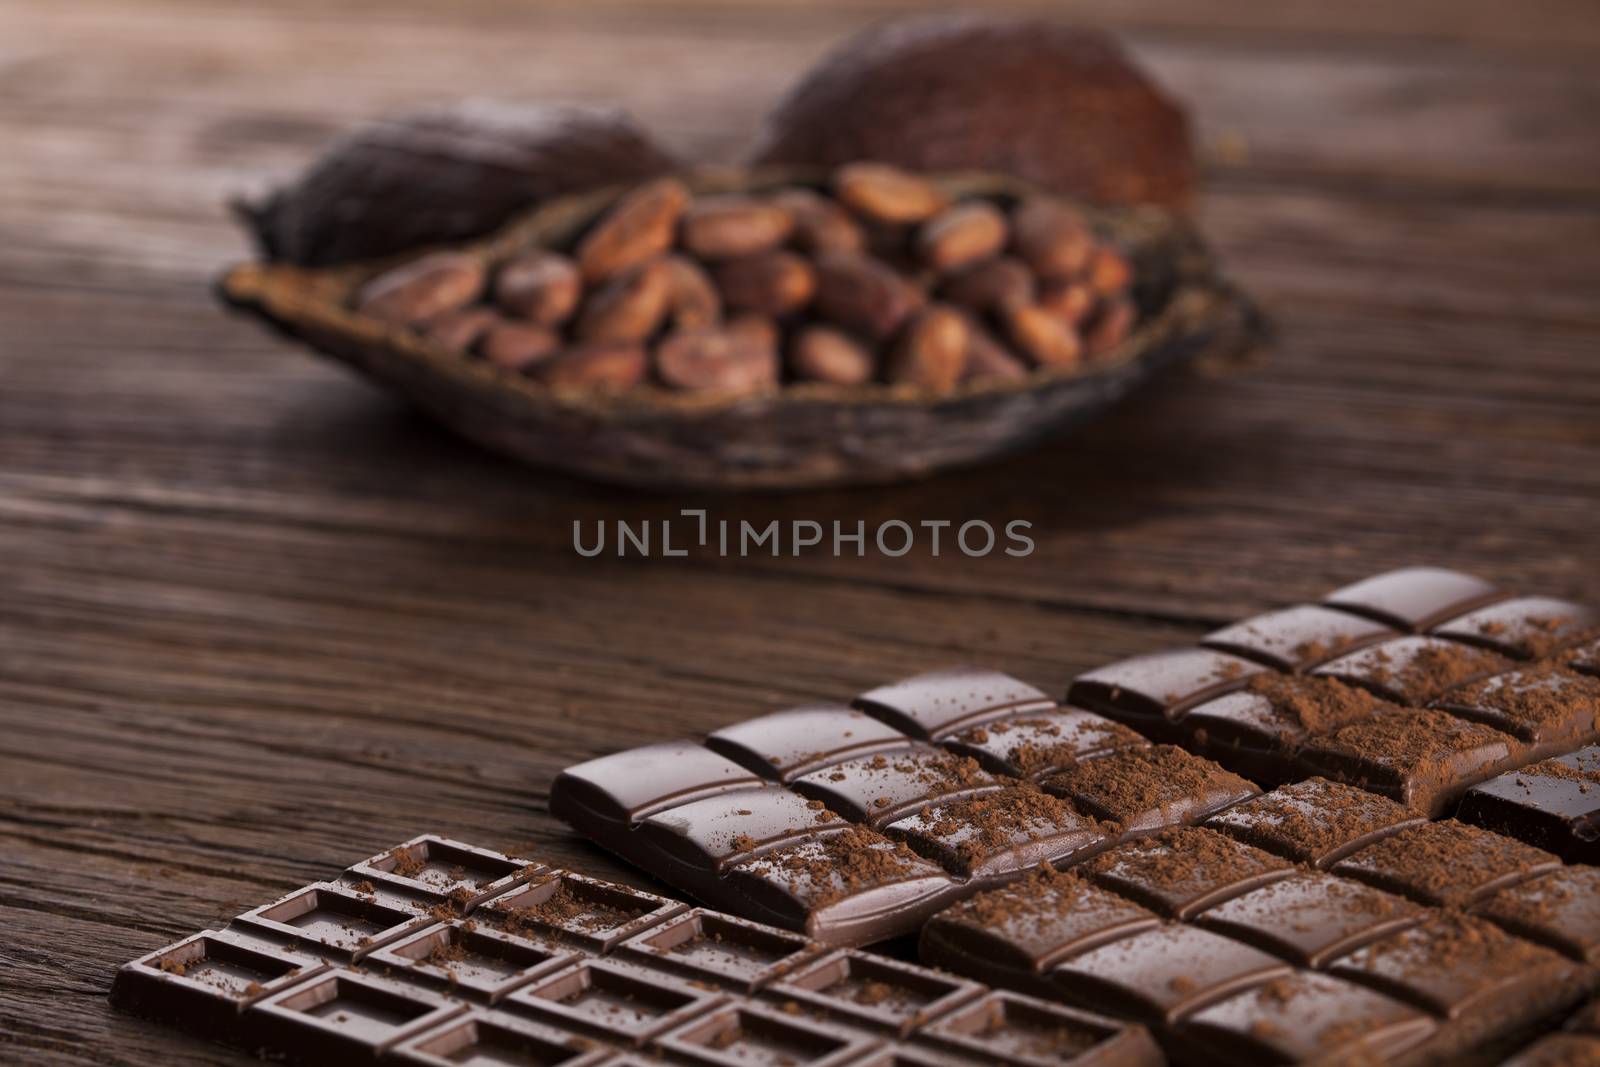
1514, 680
1316, 922
439, 953
856, 823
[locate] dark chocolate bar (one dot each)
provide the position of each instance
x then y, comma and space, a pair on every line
1554, 804
436, 953
1417, 684
1318, 922
854, 824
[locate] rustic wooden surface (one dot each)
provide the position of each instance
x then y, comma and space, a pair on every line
257, 620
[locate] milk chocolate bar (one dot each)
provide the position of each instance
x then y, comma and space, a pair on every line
855, 823
434, 953
1417, 684
1316, 923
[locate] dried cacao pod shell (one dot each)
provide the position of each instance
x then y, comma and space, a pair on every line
1056, 105
591, 409
444, 175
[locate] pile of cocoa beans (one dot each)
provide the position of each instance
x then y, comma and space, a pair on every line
880, 277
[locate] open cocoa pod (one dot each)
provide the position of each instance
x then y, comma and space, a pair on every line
770, 433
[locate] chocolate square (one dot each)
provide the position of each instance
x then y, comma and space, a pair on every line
1413, 670
1554, 804
1155, 689
1306, 1018
721, 950
882, 993
625, 787
746, 1035
933, 705
1004, 1028
1036, 744
1312, 918
877, 790
337, 922
612, 1000
1446, 863
348, 1017
1527, 627
1164, 974
1316, 821
1145, 789
1547, 707
469, 959
567, 910
495, 1037
1414, 598
788, 744
1182, 872
715, 834
999, 833
207, 980
1298, 638
433, 864
1560, 909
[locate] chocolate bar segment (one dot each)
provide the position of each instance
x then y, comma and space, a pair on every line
431, 864
1161, 975
788, 744
1014, 935
613, 1000
496, 1037
470, 959
884, 994
744, 1034
998, 834
877, 790
1311, 918
1037, 744
1141, 789
1004, 1028
206, 981
1560, 909
338, 922
1423, 758
934, 705
1547, 707
1413, 670
721, 950
1529, 627
1306, 1018
1414, 598
1182, 872
1316, 822
1446, 863
1298, 638
567, 910
1554, 804
346, 1016
1452, 965
624, 788
1154, 690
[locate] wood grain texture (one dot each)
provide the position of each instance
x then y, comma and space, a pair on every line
257, 621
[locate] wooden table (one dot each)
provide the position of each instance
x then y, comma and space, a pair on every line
257, 620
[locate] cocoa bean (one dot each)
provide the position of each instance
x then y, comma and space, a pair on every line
990, 285
1042, 336
639, 227
1071, 301
606, 365
541, 286
459, 330
962, 235
1110, 273
824, 354
886, 194
1051, 238
694, 303
932, 352
518, 345
771, 283
423, 289
629, 307
740, 357
863, 295
724, 227
990, 361
820, 225
1112, 325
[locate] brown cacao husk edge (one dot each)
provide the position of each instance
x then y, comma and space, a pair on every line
795, 436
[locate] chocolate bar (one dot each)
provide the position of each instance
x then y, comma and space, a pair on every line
1318, 922
1577, 1044
1554, 804
434, 952
1417, 684
854, 824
